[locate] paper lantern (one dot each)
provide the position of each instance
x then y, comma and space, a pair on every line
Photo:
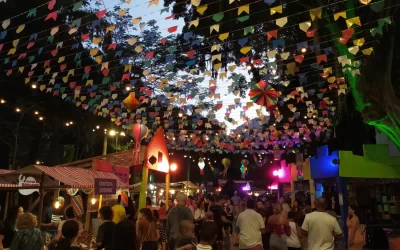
243, 168
226, 163
131, 102
201, 165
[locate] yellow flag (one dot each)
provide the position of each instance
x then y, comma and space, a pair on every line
195, 23
122, 12
65, 79
281, 21
136, 20
83, 98
327, 70
342, 14
202, 8
20, 28
232, 68
305, 26
222, 75
21, 69
153, 2
12, 51
99, 59
231, 1
139, 48
271, 54
216, 47
216, 57
132, 41
27, 80
217, 66
94, 51
78, 104
354, 50
89, 82
142, 25
110, 28
42, 87
285, 55
354, 20
224, 36
214, 27
6, 23
244, 8
146, 72
196, 2
245, 50
54, 30
61, 59
277, 9
97, 40
316, 13
128, 68
368, 51
47, 70
359, 42
331, 79
15, 42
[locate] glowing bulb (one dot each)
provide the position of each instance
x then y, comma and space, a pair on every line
122, 134
173, 167
57, 205
2, 101
303, 50
128, 88
190, 80
67, 124
305, 117
112, 133
248, 67
36, 113
93, 201
37, 162
18, 110
71, 123
172, 191
180, 114
97, 127
41, 118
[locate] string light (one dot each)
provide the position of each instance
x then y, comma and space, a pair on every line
34, 86
36, 112
2, 101
18, 110
41, 118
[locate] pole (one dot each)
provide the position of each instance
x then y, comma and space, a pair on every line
6, 205
41, 200
105, 144
143, 186
188, 176
167, 183
116, 143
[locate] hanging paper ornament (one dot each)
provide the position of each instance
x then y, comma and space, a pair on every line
140, 131
264, 95
131, 102
201, 165
226, 163
72, 191
243, 168
77, 205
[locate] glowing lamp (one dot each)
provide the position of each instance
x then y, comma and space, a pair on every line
93, 201
201, 165
173, 167
273, 187
57, 205
247, 187
278, 173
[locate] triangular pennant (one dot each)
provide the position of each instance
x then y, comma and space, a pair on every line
316, 13
281, 21
244, 8
277, 9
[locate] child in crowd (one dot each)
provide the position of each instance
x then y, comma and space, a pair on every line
186, 241
208, 235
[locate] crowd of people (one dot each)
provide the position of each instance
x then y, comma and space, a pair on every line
204, 223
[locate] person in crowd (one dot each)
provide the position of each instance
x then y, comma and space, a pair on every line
189, 203
7, 229
230, 204
104, 239
279, 228
220, 216
171, 204
355, 230
285, 206
146, 230
293, 241
163, 235
149, 203
177, 214
125, 234
251, 226
69, 215
187, 236
162, 212
235, 229
208, 236
48, 226
261, 210
300, 221
199, 212
236, 198
70, 232
295, 206
119, 212
321, 228
27, 237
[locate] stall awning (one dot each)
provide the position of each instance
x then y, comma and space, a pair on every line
72, 177
79, 177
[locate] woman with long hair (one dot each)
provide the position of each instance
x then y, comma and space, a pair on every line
356, 230
27, 237
278, 226
7, 229
146, 230
70, 233
69, 215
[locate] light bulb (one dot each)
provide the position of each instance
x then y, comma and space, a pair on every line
93, 201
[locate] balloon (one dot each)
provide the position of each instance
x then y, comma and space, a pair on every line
243, 167
226, 162
140, 131
245, 162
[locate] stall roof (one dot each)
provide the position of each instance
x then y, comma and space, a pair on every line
73, 177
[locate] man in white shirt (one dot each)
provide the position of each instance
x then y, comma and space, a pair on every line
251, 226
321, 228
236, 199
285, 207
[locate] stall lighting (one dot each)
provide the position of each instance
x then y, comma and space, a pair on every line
122, 134
173, 167
97, 127
128, 88
303, 50
180, 114
34, 86
57, 205
93, 201
112, 133
151, 186
71, 123
172, 191
256, 194
37, 162
67, 124
2, 101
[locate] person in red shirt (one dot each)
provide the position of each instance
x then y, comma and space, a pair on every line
161, 211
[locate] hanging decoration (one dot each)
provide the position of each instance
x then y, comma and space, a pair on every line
243, 168
201, 165
264, 95
72, 191
226, 163
140, 131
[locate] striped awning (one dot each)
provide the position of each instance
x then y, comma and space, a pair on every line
79, 177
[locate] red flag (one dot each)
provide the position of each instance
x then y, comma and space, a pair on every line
30, 45
149, 54
163, 41
172, 29
244, 59
112, 46
322, 58
347, 34
51, 4
190, 53
311, 33
271, 34
52, 15
9, 72
126, 77
63, 67
88, 69
299, 58
101, 13
72, 85
257, 62
105, 72
85, 36
54, 52
46, 64
170, 17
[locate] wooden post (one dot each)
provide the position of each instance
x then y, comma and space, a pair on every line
167, 183
6, 205
41, 200
143, 187
87, 217
312, 192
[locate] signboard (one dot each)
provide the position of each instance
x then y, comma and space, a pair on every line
24, 181
122, 173
105, 186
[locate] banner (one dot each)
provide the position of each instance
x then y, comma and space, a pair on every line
105, 186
